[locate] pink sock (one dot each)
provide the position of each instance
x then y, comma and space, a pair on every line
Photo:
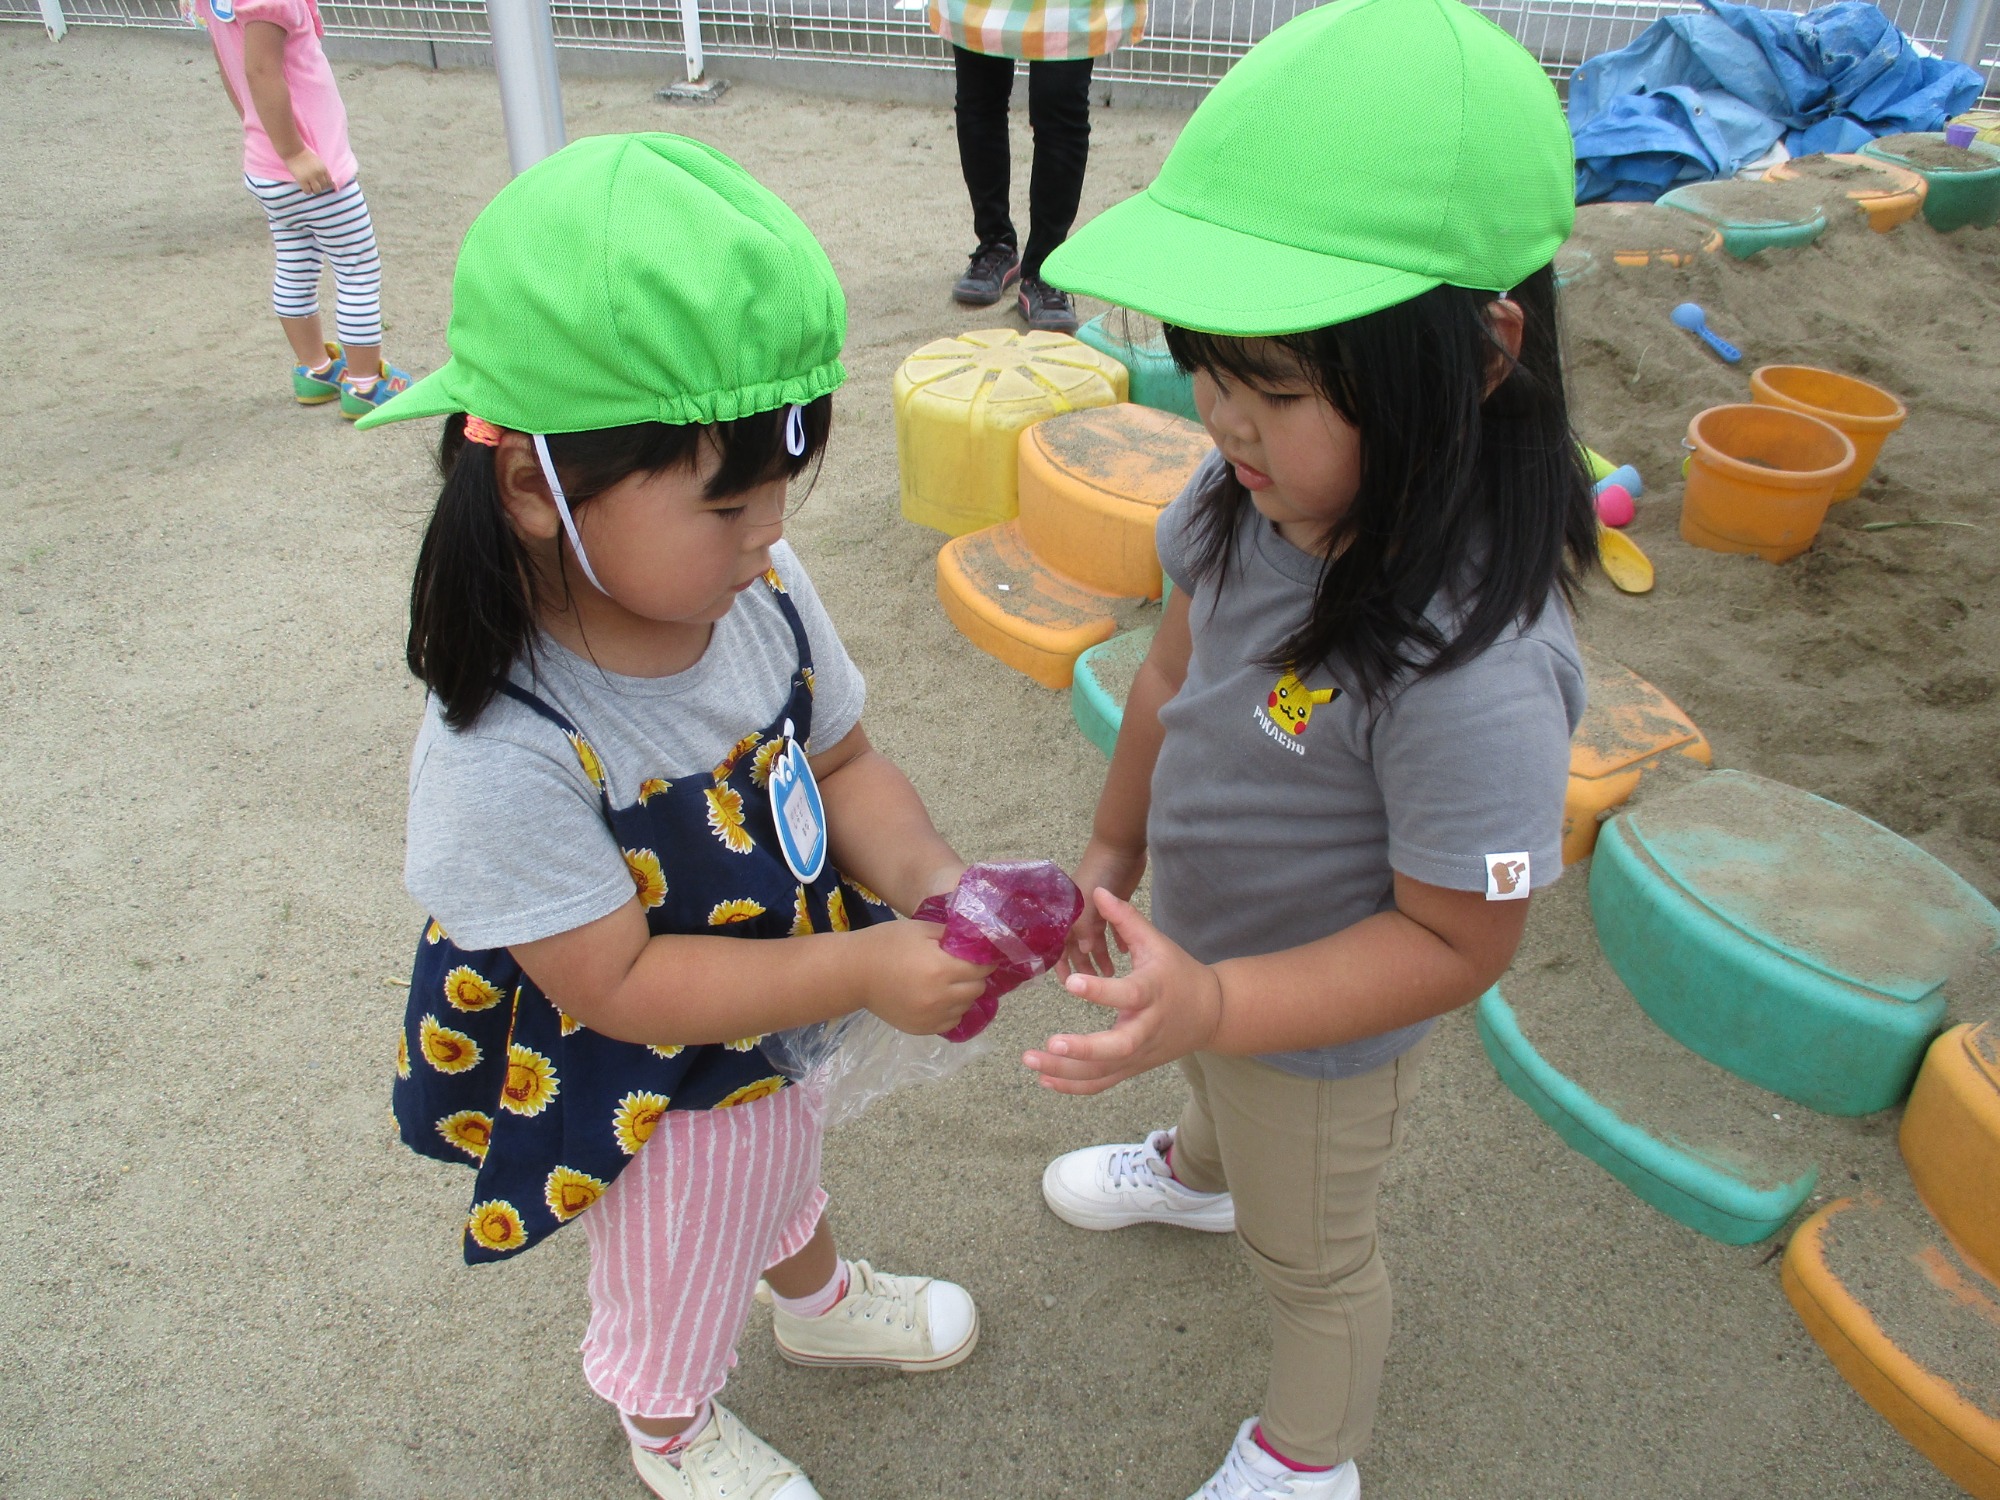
1265, 1443
653, 1443
818, 1304
1167, 1156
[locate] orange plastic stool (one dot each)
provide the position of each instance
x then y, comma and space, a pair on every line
1886, 194
1760, 479
1092, 485
1011, 607
1951, 1140
1844, 1297
1629, 727
1866, 413
960, 405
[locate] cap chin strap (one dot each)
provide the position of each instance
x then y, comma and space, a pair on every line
795, 431
562, 509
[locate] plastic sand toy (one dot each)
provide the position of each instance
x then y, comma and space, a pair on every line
1963, 177
1865, 412
1760, 479
1755, 216
1016, 916
1886, 194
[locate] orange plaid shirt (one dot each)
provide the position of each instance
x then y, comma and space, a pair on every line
1038, 29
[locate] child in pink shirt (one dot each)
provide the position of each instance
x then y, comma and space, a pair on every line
297, 162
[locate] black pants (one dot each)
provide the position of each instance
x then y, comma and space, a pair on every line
1059, 116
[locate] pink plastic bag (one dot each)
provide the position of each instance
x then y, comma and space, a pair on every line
1014, 915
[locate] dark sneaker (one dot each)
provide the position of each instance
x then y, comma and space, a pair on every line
993, 269
1048, 309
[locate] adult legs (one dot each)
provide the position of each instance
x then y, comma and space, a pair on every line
985, 84
1059, 115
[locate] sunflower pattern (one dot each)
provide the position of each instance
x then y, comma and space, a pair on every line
531, 1082
587, 758
737, 751
497, 1226
738, 909
492, 1075
760, 768
725, 819
806, 673
633, 1124
465, 988
569, 1192
648, 880
469, 1130
444, 1049
777, 584
763, 1088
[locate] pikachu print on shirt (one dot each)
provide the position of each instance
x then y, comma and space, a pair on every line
1287, 711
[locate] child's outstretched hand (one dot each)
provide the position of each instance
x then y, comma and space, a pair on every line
1101, 868
912, 983
1168, 1006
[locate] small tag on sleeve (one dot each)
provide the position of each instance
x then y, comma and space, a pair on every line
1507, 877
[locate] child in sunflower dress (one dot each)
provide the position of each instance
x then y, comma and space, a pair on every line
642, 746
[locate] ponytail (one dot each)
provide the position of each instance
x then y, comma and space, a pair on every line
473, 601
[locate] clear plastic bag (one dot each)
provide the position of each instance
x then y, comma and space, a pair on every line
1014, 916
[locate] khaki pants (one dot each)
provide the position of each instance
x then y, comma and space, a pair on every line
1303, 1160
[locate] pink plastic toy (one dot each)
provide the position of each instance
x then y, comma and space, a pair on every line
1614, 505
1014, 915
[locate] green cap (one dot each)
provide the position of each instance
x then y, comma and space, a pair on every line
1356, 157
633, 278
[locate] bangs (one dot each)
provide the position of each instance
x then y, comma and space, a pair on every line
1274, 359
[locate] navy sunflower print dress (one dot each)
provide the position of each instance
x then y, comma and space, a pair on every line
490, 1074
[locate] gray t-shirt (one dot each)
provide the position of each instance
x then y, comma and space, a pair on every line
507, 842
1277, 820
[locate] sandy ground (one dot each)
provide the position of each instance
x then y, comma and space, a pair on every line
227, 1279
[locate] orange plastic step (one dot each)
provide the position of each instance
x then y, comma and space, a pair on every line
1628, 729
1951, 1140
1912, 1327
960, 405
1012, 608
1092, 485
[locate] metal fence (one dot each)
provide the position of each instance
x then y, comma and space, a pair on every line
1188, 43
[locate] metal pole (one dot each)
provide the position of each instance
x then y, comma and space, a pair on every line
52, 20
691, 38
524, 57
1970, 22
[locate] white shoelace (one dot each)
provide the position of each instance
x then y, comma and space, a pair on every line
1241, 1477
1132, 1165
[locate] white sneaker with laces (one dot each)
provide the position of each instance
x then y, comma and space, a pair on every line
1109, 1187
910, 1323
724, 1461
1250, 1473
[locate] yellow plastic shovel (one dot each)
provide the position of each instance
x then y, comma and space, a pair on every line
1628, 568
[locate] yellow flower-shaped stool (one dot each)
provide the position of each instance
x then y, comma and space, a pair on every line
960, 404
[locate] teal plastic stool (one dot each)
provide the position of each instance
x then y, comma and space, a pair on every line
1103, 677
1156, 381
1784, 937
1727, 1200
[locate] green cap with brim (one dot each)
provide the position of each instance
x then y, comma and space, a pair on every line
1358, 156
633, 278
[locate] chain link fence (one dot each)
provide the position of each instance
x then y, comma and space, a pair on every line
1187, 43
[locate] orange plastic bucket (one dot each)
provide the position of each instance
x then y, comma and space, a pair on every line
1866, 413
1760, 479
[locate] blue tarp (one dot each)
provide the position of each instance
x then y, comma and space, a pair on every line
1699, 96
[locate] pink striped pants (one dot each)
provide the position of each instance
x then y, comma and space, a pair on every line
678, 1241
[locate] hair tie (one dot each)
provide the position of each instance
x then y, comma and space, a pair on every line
479, 430
795, 431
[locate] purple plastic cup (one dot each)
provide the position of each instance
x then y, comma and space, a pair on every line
1959, 135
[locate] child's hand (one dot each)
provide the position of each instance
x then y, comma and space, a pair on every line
1101, 868
912, 983
1168, 1006
308, 171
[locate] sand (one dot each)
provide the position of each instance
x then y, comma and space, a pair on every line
225, 1278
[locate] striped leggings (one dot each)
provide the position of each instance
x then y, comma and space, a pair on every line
308, 227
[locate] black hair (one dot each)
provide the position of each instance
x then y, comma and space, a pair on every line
476, 595
1482, 496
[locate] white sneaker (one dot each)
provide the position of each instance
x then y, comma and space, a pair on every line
911, 1323
1109, 1187
1250, 1473
725, 1461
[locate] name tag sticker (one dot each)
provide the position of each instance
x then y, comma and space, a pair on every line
798, 811
1507, 877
